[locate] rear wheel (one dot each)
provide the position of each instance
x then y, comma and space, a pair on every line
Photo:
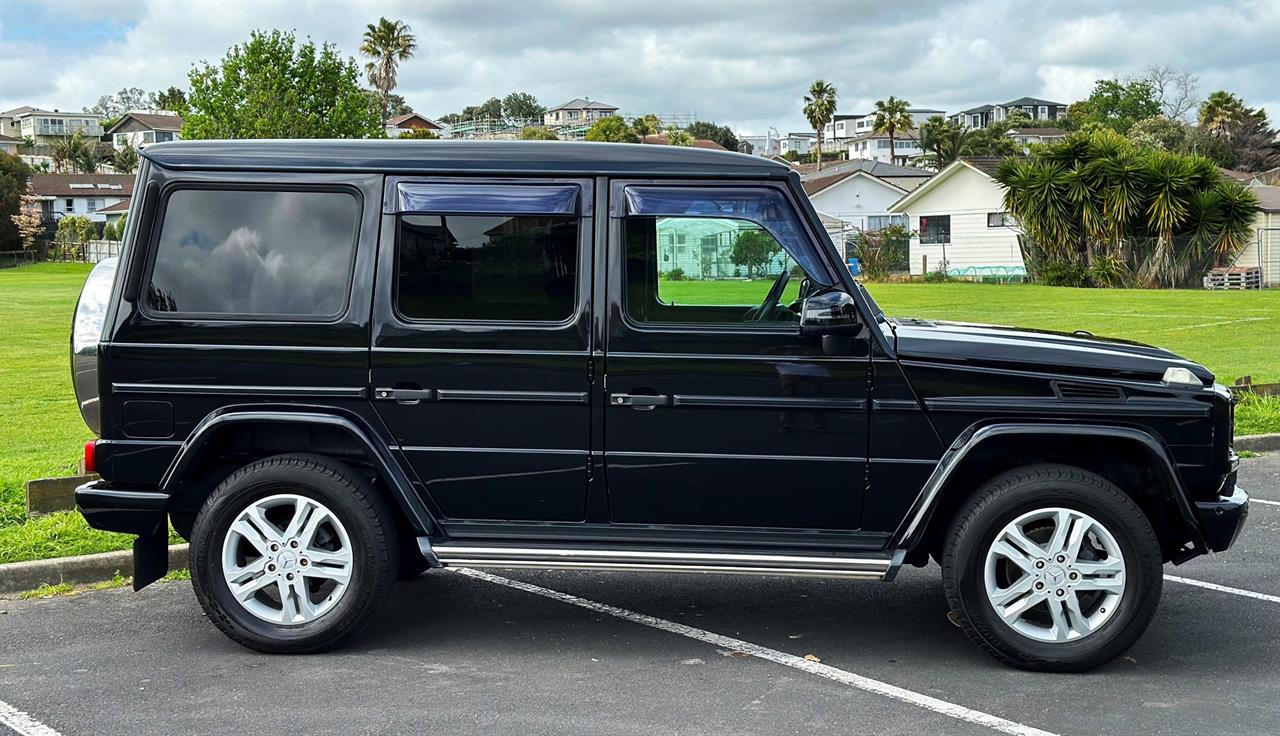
293, 553
1052, 568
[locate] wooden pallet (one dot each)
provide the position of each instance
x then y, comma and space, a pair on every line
1243, 277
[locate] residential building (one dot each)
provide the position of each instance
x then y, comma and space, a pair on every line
1027, 136
800, 143
875, 147
115, 212
141, 129
9, 145
80, 194
959, 223
702, 248
844, 128
578, 112
1036, 108
858, 194
761, 145
660, 139
1263, 249
398, 125
46, 126
841, 127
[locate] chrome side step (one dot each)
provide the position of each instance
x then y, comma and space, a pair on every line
869, 567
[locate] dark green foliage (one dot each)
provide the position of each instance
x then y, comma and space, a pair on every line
612, 129
13, 183
753, 250
522, 106
1115, 105
712, 132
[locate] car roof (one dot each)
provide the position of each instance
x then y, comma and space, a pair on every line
555, 158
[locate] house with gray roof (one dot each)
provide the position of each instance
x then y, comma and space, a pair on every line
141, 129
1041, 111
578, 111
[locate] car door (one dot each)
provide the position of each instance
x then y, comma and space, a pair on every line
480, 343
720, 412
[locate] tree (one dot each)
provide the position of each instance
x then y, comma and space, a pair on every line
754, 250
111, 107
418, 134
892, 117
126, 159
1221, 112
172, 99
646, 125
387, 43
1115, 105
271, 87
27, 220
90, 156
819, 108
677, 137
490, 109
1018, 118
538, 134
1174, 90
15, 178
612, 129
522, 106
943, 142
717, 133
1249, 138
72, 152
76, 229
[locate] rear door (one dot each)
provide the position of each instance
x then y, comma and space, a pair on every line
720, 413
481, 343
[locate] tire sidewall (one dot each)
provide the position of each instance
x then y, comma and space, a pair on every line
1138, 547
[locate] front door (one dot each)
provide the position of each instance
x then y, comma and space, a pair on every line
720, 413
480, 349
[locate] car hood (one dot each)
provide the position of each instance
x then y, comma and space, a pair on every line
1079, 353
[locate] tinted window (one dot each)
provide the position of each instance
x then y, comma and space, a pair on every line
492, 267
935, 229
264, 253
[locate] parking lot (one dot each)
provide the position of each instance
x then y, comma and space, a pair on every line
561, 652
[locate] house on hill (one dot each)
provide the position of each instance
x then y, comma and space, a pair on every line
578, 112
960, 224
141, 129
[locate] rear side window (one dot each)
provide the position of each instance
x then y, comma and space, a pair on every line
286, 254
487, 267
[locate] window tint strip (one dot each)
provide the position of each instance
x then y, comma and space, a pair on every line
480, 199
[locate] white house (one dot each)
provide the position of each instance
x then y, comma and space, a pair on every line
46, 126
9, 145
577, 112
844, 128
141, 129
398, 125
1266, 228
960, 223
875, 147
1027, 136
1035, 108
80, 194
859, 193
800, 143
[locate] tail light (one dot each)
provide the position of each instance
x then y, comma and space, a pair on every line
91, 456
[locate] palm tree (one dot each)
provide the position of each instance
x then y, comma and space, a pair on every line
892, 117
819, 108
943, 141
647, 125
71, 151
387, 43
677, 137
1220, 111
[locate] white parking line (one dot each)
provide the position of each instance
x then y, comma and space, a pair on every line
22, 723
1264, 502
1225, 589
951, 710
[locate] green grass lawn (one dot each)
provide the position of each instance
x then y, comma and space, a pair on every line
41, 432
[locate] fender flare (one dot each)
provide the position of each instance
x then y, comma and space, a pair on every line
911, 531
416, 512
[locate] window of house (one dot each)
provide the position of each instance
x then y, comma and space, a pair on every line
935, 229
92, 205
1044, 111
999, 219
70, 205
282, 254
149, 136
163, 136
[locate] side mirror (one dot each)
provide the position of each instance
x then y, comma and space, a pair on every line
828, 313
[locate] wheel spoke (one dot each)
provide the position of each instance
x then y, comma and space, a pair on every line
251, 534
1063, 521
1061, 623
298, 605
259, 518
307, 536
304, 510
336, 558
1013, 534
250, 589
323, 572
1079, 623
1110, 566
1076, 538
1014, 611
1108, 585
1003, 596
239, 575
1011, 553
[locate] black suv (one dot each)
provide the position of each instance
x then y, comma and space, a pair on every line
329, 364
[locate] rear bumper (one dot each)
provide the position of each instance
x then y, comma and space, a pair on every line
118, 509
1222, 520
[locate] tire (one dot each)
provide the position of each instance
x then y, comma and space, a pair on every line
1112, 605
344, 561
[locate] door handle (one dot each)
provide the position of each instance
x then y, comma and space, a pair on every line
644, 402
407, 396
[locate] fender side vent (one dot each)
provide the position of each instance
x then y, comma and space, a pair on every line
1087, 392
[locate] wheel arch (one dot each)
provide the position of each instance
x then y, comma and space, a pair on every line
234, 436
1133, 459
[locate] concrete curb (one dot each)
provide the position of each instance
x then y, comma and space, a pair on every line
16, 577
1258, 442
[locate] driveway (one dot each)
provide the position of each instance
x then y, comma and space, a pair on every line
587, 653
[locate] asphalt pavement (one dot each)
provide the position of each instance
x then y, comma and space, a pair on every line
591, 653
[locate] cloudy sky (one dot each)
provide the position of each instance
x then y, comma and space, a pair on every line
741, 63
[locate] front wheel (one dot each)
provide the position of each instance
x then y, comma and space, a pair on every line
1052, 568
293, 553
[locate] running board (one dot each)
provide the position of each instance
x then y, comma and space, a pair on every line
869, 567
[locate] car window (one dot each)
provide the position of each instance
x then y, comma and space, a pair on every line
254, 254
487, 267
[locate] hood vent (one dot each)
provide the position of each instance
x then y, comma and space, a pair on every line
1087, 392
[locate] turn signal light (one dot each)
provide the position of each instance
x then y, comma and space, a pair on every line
90, 456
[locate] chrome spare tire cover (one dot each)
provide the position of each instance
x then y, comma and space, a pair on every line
86, 333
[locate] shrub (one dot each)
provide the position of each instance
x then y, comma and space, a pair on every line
676, 274
881, 253
76, 229
1059, 273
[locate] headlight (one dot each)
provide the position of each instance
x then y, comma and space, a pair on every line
1180, 377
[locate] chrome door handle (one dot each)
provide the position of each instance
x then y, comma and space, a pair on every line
640, 401
404, 395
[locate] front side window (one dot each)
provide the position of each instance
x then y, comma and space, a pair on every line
286, 254
935, 229
998, 219
487, 267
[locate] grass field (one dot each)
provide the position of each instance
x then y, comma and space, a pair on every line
41, 432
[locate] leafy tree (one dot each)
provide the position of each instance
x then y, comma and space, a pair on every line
172, 99
677, 137
992, 140
72, 152
490, 109
126, 159
717, 133
76, 229
646, 125
538, 134
1018, 118
1174, 90
1248, 135
451, 118
943, 142
1115, 105
91, 156
15, 178
386, 43
612, 129
892, 118
271, 87
754, 250
819, 108
1222, 111
27, 220
522, 106
1099, 205
418, 134
111, 107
